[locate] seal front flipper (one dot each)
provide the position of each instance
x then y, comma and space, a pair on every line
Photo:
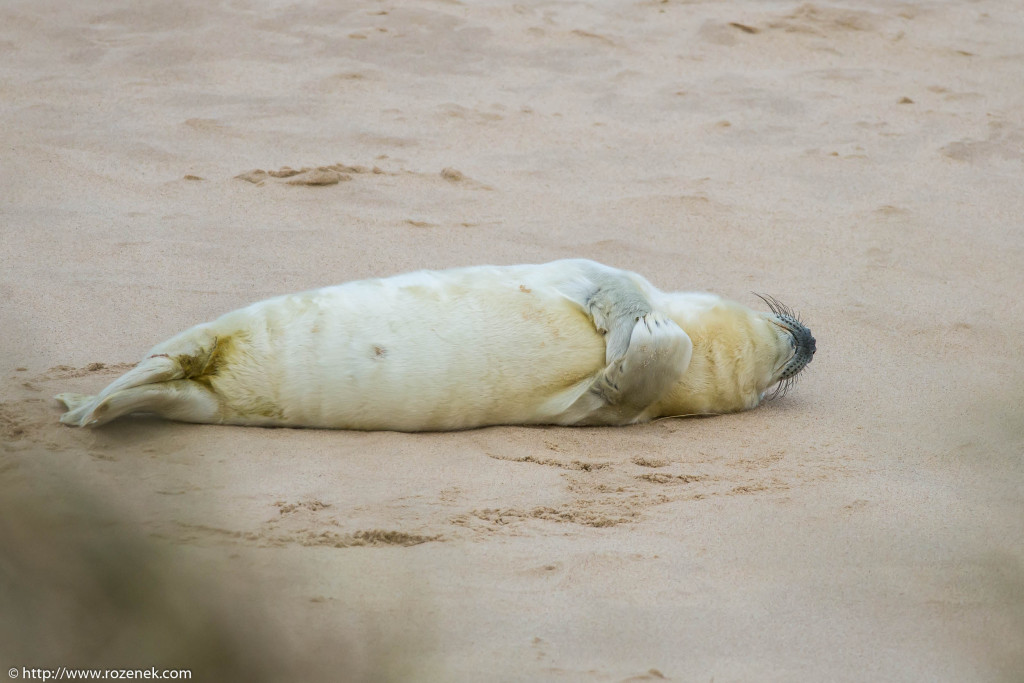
615, 304
657, 355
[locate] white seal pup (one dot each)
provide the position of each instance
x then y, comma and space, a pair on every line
571, 342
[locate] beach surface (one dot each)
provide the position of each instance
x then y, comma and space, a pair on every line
862, 162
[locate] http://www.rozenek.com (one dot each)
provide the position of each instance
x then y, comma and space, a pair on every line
63, 673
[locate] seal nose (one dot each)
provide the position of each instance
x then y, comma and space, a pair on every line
810, 343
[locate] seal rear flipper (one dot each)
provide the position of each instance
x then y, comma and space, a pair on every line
188, 355
72, 400
156, 368
77, 404
180, 399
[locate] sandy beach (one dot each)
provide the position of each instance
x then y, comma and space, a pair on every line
862, 162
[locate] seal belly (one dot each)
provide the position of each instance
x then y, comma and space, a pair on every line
424, 351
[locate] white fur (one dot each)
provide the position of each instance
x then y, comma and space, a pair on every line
568, 342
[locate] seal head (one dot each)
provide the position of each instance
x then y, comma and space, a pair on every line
801, 342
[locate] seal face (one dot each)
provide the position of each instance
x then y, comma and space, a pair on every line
802, 342
571, 342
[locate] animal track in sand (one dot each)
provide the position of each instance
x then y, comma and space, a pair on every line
311, 522
613, 492
307, 175
807, 20
30, 420
575, 514
27, 422
816, 20
311, 505
336, 173
645, 461
269, 536
593, 37
650, 675
69, 372
1004, 141
662, 478
12, 421
551, 462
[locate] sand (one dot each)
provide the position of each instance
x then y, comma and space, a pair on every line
165, 163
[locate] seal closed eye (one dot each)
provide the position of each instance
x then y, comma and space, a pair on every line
570, 342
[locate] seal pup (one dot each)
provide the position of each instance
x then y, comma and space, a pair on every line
571, 342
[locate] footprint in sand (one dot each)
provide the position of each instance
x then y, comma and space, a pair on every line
307, 175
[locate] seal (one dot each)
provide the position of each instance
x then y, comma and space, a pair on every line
571, 342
